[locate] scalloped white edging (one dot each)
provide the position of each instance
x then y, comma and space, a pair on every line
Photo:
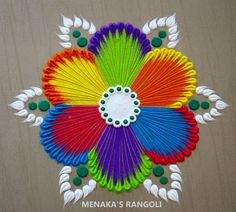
171, 194
78, 22
170, 23
19, 105
65, 187
213, 97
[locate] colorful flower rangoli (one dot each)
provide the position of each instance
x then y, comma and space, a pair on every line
121, 108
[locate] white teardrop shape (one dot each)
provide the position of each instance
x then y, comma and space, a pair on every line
176, 185
38, 91
65, 170
146, 29
200, 119
67, 22
208, 117
30, 118
64, 178
30, 93
66, 45
173, 195
200, 89
161, 22
77, 22
153, 24
172, 44
215, 112
85, 24
78, 195
170, 21
174, 168
64, 187
38, 121
163, 194
176, 176
86, 190
213, 97
173, 29
64, 37
68, 197
64, 30
92, 29
17, 105
220, 105
207, 92
92, 184
173, 37
22, 113
154, 190
22, 97
147, 184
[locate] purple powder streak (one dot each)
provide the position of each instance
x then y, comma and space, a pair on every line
118, 153
94, 44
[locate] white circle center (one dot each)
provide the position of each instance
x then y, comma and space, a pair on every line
119, 106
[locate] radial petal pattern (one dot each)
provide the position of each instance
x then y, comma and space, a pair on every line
70, 132
72, 77
167, 79
120, 51
118, 161
167, 134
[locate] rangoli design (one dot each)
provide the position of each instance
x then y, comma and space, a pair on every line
121, 108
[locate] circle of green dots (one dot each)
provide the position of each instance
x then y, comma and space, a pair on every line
44, 105
109, 119
156, 42
162, 34
136, 102
32, 105
117, 122
131, 117
76, 33
164, 180
126, 90
194, 104
158, 171
105, 95
205, 105
132, 95
82, 171
77, 181
105, 114
136, 110
125, 121
118, 88
111, 90
103, 108
103, 102
82, 42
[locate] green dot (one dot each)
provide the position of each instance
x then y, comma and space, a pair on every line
194, 104
106, 95
158, 171
162, 34
156, 42
126, 90
136, 102
117, 122
103, 102
77, 181
109, 119
132, 117
136, 110
164, 180
32, 105
205, 105
125, 121
82, 42
76, 33
82, 171
44, 105
103, 108
105, 114
111, 90
132, 95
118, 88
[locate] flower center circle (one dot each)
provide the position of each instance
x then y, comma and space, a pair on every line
119, 106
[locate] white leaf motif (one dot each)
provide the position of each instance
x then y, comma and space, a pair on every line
220, 105
22, 113
161, 22
64, 187
85, 24
64, 30
78, 195
214, 112
200, 89
86, 190
64, 178
153, 24
38, 121
176, 185
17, 105
208, 117
173, 29
65, 170
213, 97
31, 117
92, 29
64, 37
174, 168
66, 45
22, 97
176, 176
170, 21
38, 91
147, 184
163, 194
154, 190
77, 22
67, 22
146, 29
68, 197
173, 195
172, 44
30, 93
200, 119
